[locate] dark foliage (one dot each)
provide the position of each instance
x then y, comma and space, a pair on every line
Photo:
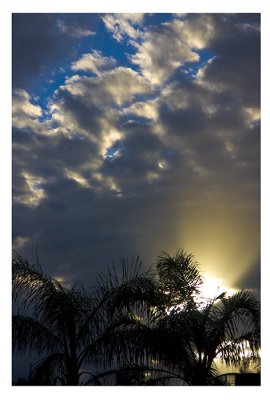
134, 328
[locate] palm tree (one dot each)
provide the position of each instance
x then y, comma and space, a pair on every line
146, 327
191, 335
70, 328
179, 278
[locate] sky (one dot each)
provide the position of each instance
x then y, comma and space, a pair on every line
133, 134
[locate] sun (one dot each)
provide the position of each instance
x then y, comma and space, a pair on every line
212, 287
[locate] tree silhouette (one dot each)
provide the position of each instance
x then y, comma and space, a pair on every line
140, 328
70, 328
192, 334
179, 278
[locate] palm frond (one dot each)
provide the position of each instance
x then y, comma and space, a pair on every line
118, 296
49, 370
237, 313
135, 374
28, 332
179, 274
31, 286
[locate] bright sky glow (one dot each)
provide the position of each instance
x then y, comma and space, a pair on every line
212, 287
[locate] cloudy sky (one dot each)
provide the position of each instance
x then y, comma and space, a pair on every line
137, 133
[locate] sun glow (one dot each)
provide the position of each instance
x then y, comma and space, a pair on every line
212, 287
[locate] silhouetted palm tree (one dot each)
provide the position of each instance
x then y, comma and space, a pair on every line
177, 281
191, 335
71, 328
179, 278
151, 328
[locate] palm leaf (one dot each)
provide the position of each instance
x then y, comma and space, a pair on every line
49, 370
30, 333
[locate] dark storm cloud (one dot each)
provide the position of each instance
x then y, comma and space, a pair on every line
45, 158
213, 124
237, 64
252, 280
35, 41
78, 232
77, 226
248, 147
86, 114
183, 122
141, 151
40, 41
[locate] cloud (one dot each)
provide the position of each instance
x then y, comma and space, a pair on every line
195, 31
127, 168
122, 25
20, 241
93, 62
144, 109
236, 65
25, 114
89, 106
220, 162
40, 41
74, 31
29, 117
21, 105
77, 113
116, 87
33, 193
252, 280
34, 42
177, 43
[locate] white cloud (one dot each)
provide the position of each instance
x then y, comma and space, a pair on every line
33, 193
90, 106
77, 177
195, 32
253, 115
108, 183
107, 93
135, 18
25, 114
145, 109
74, 31
21, 105
109, 137
152, 177
29, 116
20, 242
175, 97
171, 45
160, 54
122, 25
93, 62
115, 87
204, 82
163, 164
64, 120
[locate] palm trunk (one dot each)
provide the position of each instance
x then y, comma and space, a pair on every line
72, 376
199, 374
